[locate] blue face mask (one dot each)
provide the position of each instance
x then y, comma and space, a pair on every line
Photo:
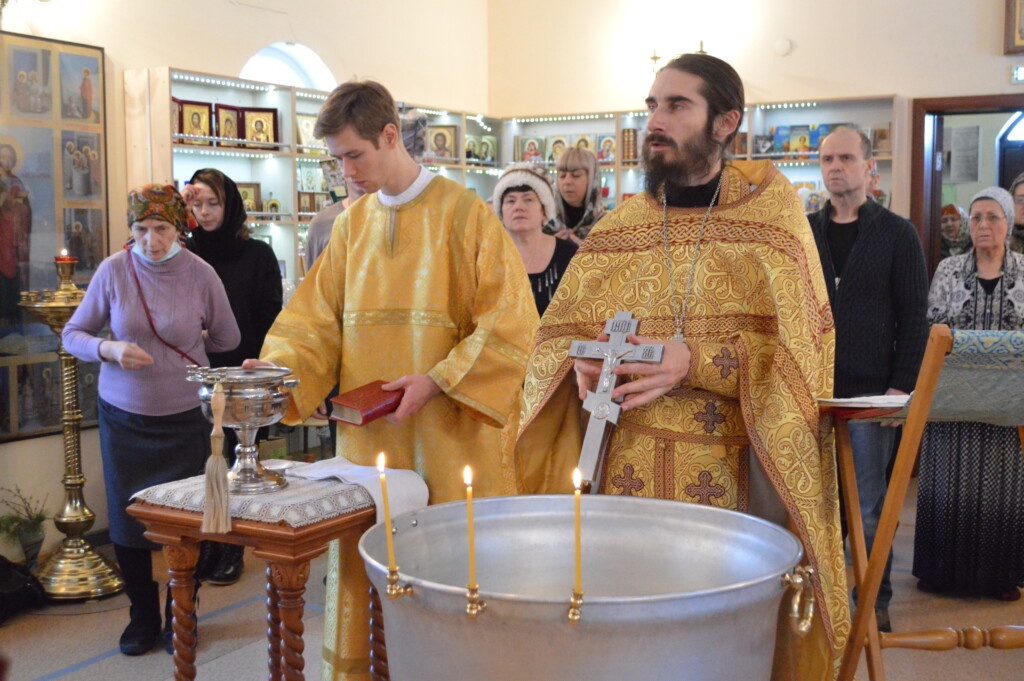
173, 251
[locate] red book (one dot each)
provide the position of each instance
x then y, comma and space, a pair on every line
364, 404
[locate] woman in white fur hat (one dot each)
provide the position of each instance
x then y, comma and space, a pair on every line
525, 202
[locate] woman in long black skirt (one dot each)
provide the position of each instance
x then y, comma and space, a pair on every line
969, 537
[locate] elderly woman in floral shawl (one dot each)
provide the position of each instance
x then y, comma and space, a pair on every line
969, 537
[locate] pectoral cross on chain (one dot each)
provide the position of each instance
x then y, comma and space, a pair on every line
603, 409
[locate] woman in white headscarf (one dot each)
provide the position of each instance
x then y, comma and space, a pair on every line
970, 498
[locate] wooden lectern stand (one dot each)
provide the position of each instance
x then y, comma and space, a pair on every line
1007, 380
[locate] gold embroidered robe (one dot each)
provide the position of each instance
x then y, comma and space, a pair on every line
761, 333
431, 286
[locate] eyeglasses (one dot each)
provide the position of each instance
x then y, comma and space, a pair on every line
1019, 200
991, 219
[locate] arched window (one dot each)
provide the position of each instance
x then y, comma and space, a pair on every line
1010, 149
289, 64
1013, 131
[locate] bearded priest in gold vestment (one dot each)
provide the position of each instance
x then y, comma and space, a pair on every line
420, 285
717, 262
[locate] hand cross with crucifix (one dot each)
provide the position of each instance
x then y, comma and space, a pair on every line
603, 408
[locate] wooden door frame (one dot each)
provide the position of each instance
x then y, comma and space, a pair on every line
925, 202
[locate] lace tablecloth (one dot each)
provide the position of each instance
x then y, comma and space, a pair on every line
301, 503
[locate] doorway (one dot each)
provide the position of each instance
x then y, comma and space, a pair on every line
929, 157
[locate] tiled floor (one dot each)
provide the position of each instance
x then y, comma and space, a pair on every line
79, 642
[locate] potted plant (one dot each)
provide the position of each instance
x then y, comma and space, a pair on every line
23, 522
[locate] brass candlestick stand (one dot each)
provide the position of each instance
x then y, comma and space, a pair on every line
474, 606
393, 589
576, 607
75, 571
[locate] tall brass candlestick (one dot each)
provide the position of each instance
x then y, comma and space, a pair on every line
74, 571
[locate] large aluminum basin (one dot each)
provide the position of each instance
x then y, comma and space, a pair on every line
674, 591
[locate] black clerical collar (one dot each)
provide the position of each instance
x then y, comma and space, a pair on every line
692, 197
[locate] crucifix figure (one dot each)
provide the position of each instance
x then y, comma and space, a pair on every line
603, 409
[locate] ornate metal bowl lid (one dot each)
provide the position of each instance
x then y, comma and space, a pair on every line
237, 375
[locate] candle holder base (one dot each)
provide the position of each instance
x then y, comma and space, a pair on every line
76, 572
393, 590
575, 607
474, 606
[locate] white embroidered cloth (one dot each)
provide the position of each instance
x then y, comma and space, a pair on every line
301, 503
406, 489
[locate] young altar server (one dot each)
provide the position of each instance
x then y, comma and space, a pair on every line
421, 286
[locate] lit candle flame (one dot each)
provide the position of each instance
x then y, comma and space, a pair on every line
63, 252
467, 475
577, 477
380, 462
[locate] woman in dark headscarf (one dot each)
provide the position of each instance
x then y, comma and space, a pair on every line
165, 309
250, 274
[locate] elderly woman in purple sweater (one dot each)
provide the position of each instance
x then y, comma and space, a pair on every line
165, 308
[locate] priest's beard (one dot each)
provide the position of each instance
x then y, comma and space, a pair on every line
680, 166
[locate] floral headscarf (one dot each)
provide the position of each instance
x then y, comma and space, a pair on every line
161, 201
962, 242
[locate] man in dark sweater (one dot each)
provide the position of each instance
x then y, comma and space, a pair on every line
878, 287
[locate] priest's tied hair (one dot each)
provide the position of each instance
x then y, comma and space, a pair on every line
366, 105
722, 87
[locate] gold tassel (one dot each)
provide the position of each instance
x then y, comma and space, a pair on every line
216, 515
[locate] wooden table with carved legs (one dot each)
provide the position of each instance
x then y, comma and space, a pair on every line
287, 551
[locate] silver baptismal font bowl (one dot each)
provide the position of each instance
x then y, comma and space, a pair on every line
674, 591
254, 398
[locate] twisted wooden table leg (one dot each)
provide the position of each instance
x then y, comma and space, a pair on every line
290, 583
378, 648
273, 629
181, 561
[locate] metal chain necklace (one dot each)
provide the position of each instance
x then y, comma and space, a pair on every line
679, 308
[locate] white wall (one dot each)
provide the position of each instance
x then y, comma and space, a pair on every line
593, 55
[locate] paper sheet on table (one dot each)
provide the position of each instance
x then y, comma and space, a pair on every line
406, 489
867, 402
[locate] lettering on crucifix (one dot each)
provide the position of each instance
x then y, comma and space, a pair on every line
603, 409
